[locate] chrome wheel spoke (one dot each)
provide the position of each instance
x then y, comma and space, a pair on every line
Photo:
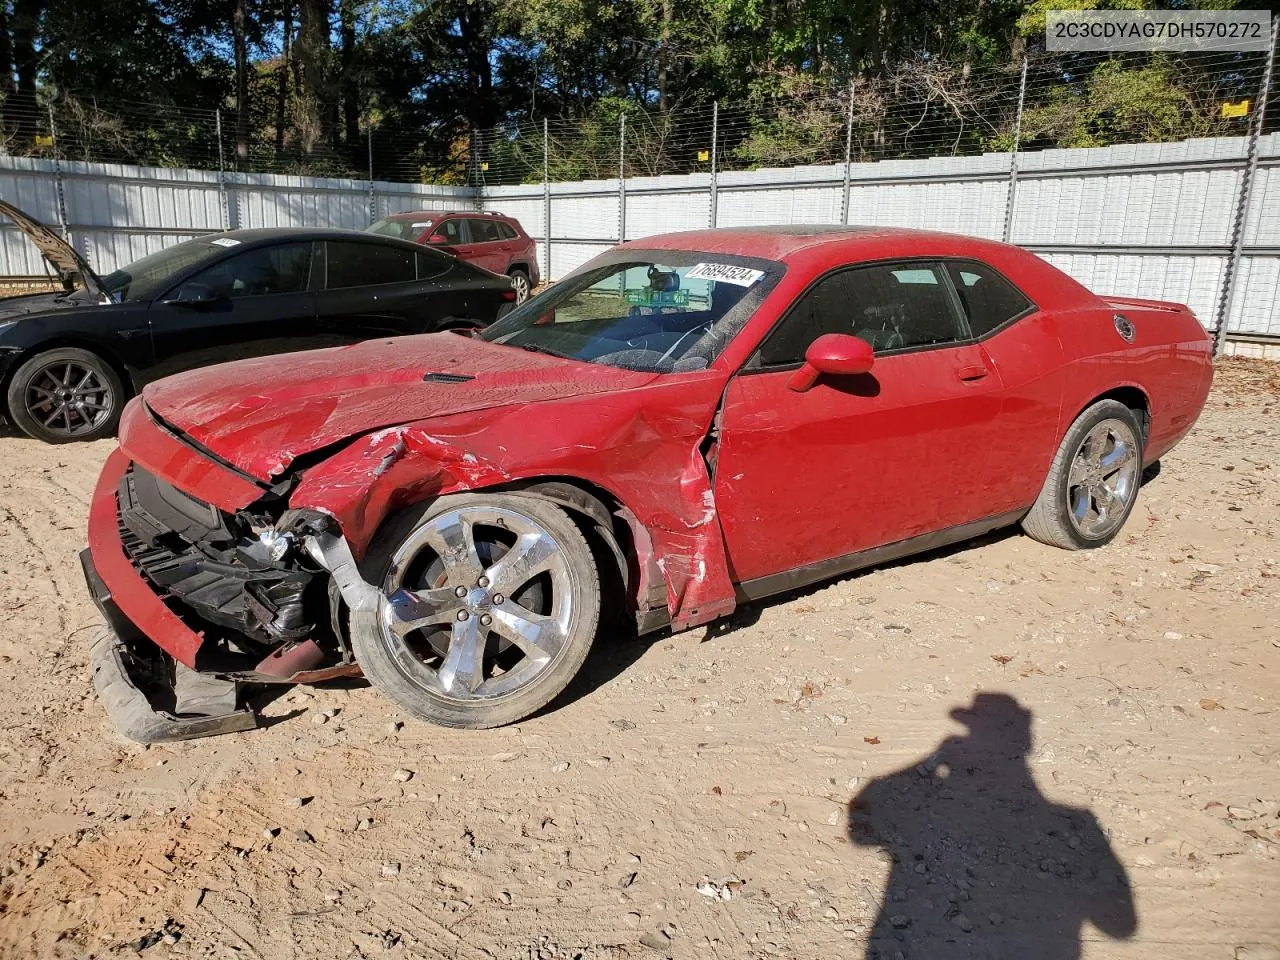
1121, 454
538, 636
1080, 501
1079, 472
463, 668
408, 610
531, 555
454, 541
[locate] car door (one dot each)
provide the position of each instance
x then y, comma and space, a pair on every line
487, 244
375, 289
1025, 347
857, 462
261, 305
451, 233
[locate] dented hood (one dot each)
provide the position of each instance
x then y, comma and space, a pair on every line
260, 415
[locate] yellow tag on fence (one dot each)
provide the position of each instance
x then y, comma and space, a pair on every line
1237, 109
44, 140
704, 155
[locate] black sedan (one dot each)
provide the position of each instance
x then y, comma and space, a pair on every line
70, 360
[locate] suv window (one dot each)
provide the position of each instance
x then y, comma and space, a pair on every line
989, 300
484, 231
451, 230
285, 268
892, 306
507, 231
353, 264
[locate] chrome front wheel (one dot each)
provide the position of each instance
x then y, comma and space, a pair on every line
488, 607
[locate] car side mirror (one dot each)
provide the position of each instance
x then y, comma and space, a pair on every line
835, 354
437, 239
194, 294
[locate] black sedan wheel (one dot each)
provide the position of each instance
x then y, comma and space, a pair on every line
65, 394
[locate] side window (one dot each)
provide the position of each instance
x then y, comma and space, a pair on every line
451, 230
507, 231
989, 300
484, 231
353, 264
892, 306
285, 268
432, 264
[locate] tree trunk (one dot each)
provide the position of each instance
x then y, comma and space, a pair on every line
23, 106
313, 51
663, 40
241, 45
6, 68
282, 78
350, 82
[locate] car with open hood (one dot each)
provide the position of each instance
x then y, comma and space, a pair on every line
70, 360
684, 424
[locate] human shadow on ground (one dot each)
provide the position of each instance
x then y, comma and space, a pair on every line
983, 866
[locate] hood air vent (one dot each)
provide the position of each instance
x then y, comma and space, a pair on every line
446, 377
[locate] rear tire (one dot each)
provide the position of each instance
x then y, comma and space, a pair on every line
1093, 481
64, 395
522, 285
490, 604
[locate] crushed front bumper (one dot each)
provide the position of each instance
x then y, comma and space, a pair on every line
132, 710
144, 662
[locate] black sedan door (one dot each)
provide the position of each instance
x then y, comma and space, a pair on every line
261, 305
379, 289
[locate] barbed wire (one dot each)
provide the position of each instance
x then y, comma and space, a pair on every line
920, 110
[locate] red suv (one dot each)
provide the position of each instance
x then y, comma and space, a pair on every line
488, 240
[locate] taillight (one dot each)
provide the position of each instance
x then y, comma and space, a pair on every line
508, 295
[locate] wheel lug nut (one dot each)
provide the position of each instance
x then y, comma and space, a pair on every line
459, 591
486, 619
483, 582
498, 598
462, 615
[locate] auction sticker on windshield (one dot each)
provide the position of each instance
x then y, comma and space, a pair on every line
724, 273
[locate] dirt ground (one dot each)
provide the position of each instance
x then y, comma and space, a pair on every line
692, 797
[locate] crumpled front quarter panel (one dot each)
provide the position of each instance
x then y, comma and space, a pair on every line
641, 445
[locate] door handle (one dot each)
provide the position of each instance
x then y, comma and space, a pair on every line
973, 372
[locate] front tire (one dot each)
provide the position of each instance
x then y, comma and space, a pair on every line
489, 606
1093, 481
65, 394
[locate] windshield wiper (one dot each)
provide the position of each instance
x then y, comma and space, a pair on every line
532, 348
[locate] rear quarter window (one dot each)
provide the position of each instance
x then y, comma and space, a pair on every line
989, 300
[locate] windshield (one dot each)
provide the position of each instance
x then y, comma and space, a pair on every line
147, 278
657, 311
401, 229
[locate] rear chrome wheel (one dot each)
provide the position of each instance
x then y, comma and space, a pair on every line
1103, 479
65, 394
489, 606
1093, 481
520, 283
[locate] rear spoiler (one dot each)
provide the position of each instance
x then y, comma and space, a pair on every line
1162, 306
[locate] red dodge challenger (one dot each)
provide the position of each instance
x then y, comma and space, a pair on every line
684, 424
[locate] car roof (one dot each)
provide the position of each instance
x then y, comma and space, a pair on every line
442, 214
785, 242
261, 234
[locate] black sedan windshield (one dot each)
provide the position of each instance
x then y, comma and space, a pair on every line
656, 311
147, 278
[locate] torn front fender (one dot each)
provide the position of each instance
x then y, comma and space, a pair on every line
641, 446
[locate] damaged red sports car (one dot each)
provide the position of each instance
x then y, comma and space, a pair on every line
684, 424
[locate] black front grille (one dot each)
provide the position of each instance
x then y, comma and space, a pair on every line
189, 551
153, 508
